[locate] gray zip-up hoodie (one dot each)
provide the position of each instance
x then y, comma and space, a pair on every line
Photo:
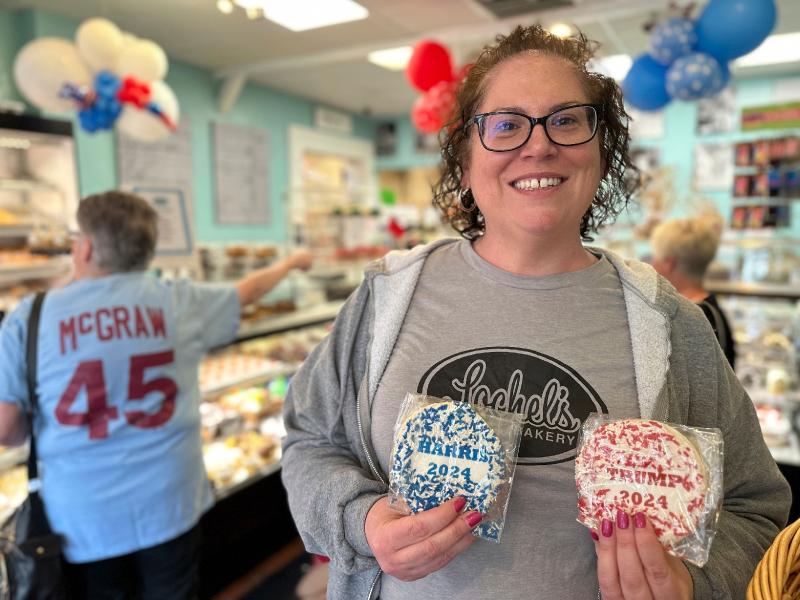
333, 479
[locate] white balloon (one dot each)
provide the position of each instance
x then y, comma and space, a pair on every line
43, 66
142, 59
128, 39
145, 126
99, 43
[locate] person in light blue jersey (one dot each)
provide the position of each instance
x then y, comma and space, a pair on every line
118, 426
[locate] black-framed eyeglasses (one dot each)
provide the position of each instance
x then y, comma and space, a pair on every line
503, 131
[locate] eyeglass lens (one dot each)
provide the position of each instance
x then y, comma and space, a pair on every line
568, 127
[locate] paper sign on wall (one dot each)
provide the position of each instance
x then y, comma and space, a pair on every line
240, 175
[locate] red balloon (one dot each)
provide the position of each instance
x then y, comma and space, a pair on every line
423, 117
435, 108
430, 63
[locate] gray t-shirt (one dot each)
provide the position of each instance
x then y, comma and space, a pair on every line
555, 348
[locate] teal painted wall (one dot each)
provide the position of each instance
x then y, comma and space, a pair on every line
196, 90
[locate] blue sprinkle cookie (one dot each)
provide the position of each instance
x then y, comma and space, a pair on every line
445, 450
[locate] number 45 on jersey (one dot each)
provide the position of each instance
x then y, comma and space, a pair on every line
89, 375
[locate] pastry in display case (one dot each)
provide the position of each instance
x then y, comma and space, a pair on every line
239, 457
255, 403
243, 390
291, 348
766, 363
230, 367
775, 425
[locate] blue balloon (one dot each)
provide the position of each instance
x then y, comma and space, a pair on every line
644, 86
110, 106
87, 119
722, 81
672, 39
106, 84
727, 29
695, 76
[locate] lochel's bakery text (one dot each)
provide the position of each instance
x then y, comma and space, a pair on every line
117, 322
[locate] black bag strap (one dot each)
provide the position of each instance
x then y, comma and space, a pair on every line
31, 359
719, 325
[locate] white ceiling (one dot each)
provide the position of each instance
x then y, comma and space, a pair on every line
329, 65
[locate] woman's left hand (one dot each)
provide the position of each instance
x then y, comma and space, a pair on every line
633, 565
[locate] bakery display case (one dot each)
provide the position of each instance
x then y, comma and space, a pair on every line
243, 386
759, 293
38, 199
761, 297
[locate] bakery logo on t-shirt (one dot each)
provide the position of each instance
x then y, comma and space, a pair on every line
553, 397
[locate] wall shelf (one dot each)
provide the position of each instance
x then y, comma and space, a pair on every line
762, 290
27, 185
12, 274
14, 231
762, 199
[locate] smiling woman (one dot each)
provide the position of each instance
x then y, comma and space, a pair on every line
522, 317
606, 118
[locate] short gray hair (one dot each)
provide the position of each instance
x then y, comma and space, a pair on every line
691, 242
123, 228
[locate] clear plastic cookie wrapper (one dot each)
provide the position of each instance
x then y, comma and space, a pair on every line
671, 473
443, 449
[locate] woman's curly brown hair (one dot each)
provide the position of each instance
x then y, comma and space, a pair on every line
620, 177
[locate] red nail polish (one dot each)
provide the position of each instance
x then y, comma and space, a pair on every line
474, 518
595, 537
639, 520
459, 504
607, 528
622, 519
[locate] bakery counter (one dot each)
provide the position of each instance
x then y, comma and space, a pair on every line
313, 315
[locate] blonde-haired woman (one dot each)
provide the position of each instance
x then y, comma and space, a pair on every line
682, 251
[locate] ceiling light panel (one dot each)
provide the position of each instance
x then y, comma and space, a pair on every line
394, 59
302, 15
778, 48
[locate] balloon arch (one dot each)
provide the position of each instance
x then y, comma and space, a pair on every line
112, 79
688, 60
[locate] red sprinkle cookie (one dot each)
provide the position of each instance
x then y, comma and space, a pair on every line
641, 466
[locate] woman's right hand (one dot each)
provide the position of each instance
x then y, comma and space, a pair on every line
409, 547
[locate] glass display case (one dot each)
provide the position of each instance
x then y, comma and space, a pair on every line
38, 199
